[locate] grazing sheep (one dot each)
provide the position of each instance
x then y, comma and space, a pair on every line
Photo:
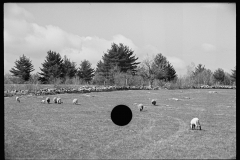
48, 100
195, 123
18, 99
59, 101
140, 107
43, 101
55, 100
75, 101
154, 102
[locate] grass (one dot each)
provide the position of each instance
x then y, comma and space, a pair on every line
85, 131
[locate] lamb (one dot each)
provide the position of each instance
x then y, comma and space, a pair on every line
43, 101
75, 101
48, 100
55, 100
18, 99
140, 107
59, 101
154, 102
195, 123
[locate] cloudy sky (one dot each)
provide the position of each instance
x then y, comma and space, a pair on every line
202, 33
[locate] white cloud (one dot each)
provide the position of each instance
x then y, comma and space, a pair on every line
121, 39
7, 66
208, 47
22, 37
147, 51
178, 64
12, 10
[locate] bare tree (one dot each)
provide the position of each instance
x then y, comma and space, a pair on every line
147, 71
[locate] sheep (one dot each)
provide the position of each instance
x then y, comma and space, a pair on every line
55, 99
43, 101
18, 99
48, 100
59, 101
141, 107
75, 101
154, 102
195, 123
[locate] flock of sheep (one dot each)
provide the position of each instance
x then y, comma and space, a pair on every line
194, 124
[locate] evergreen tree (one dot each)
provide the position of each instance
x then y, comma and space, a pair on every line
160, 67
85, 71
219, 75
227, 79
69, 68
52, 68
233, 75
200, 68
170, 72
163, 70
120, 56
22, 69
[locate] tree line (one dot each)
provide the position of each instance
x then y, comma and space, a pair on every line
118, 66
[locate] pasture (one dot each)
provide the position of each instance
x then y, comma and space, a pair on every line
85, 131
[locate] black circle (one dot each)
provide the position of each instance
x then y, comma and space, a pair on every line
121, 115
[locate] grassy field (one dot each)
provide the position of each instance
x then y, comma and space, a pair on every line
85, 131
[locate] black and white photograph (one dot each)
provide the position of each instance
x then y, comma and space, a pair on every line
118, 80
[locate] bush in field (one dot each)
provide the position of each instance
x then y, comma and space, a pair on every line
203, 77
7, 79
200, 75
120, 79
98, 79
34, 78
56, 81
134, 80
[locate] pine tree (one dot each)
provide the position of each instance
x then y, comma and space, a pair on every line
159, 65
69, 68
85, 71
52, 68
219, 75
163, 70
22, 69
170, 72
200, 68
233, 75
120, 56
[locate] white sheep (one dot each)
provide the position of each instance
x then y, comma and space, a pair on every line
154, 102
55, 99
75, 101
141, 107
59, 101
195, 123
18, 99
48, 100
43, 101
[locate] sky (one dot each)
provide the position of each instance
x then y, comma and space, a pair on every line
202, 33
